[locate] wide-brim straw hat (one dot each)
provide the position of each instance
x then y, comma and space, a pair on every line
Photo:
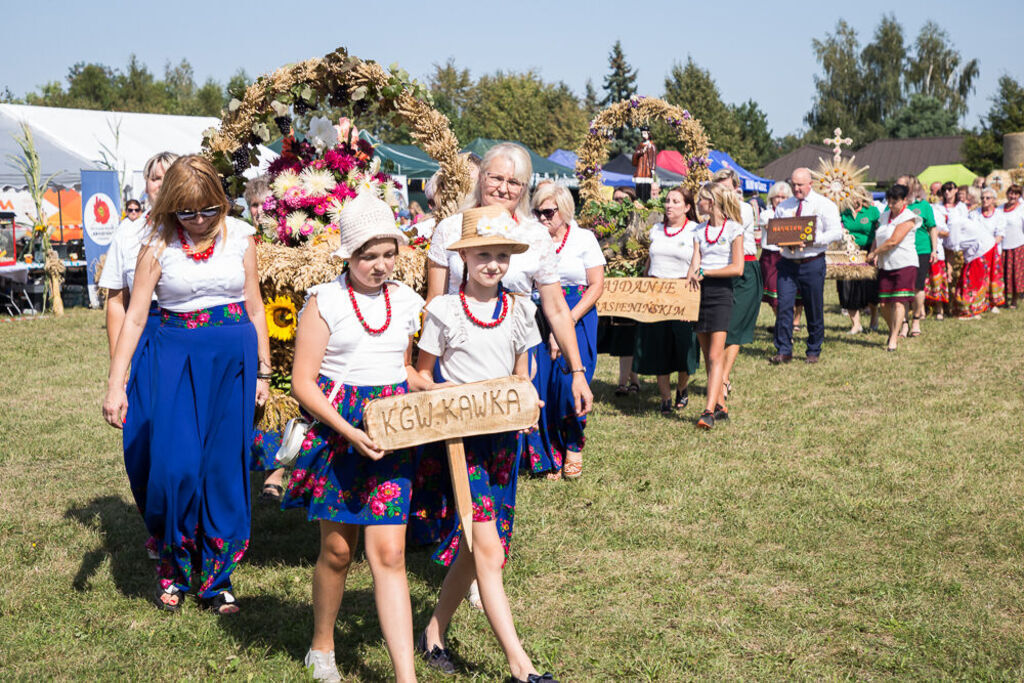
489, 226
365, 218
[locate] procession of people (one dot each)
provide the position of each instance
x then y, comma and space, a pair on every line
513, 281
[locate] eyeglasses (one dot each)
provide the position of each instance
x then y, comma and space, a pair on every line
545, 214
495, 180
133, 209
191, 214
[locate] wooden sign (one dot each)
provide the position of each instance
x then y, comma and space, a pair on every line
496, 405
448, 414
790, 232
648, 299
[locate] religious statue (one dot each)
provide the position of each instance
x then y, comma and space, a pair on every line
643, 164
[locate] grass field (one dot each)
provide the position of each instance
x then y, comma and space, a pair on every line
856, 519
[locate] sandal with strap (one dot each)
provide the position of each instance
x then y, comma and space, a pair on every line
272, 493
223, 604
536, 678
572, 468
169, 599
621, 390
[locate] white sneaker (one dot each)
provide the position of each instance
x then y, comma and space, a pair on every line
323, 666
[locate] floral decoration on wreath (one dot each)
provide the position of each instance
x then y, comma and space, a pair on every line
622, 236
312, 180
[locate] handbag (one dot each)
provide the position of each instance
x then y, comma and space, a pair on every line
295, 433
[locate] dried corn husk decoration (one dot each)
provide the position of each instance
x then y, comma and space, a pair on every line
55, 272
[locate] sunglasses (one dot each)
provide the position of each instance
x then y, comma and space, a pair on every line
191, 214
546, 214
132, 209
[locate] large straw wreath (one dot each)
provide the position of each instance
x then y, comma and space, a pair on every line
267, 110
625, 246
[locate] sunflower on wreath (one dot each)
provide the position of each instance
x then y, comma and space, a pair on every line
282, 318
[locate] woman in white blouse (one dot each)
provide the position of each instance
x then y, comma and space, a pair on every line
505, 172
896, 257
210, 368
717, 259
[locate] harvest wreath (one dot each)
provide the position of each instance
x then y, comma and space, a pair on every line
625, 242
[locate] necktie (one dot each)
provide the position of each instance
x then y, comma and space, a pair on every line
799, 206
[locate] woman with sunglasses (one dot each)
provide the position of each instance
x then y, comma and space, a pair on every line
118, 278
581, 271
214, 363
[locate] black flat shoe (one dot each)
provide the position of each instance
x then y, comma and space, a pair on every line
534, 678
272, 493
437, 658
682, 399
666, 408
621, 390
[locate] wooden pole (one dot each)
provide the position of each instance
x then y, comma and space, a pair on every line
460, 486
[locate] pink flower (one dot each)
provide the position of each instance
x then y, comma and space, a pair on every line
203, 317
235, 309
318, 490
307, 443
191, 324
307, 228
389, 490
378, 508
386, 391
319, 209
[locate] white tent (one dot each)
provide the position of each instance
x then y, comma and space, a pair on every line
130, 137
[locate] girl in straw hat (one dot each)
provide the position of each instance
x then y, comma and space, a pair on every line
353, 344
481, 333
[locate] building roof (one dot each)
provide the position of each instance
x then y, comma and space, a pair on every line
886, 159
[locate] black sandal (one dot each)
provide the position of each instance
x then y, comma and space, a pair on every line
536, 678
634, 388
621, 390
666, 408
682, 398
439, 658
223, 604
272, 493
171, 592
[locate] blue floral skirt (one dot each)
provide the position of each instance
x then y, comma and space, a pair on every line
559, 429
263, 453
334, 482
493, 464
135, 437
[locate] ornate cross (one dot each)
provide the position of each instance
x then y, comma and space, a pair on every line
837, 141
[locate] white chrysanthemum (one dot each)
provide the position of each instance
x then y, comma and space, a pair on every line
295, 221
367, 184
317, 182
500, 226
268, 221
334, 210
284, 182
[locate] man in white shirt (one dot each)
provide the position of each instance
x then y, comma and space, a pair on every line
802, 269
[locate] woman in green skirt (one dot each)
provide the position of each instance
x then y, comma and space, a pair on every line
670, 346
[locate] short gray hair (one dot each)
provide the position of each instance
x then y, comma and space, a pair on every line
780, 189
727, 174
256, 190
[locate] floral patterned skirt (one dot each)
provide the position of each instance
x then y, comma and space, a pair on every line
972, 289
935, 288
493, 464
334, 482
1013, 271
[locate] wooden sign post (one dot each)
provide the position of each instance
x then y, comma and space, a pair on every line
448, 414
648, 299
791, 232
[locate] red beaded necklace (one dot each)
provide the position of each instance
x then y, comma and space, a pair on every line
1007, 208
359, 315
564, 238
197, 256
681, 228
707, 238
477, 321
988, 215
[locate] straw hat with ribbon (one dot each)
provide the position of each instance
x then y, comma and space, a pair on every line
489, 226
366, 218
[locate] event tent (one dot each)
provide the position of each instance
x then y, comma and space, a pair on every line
749, 181
568, 159
624, 164
941, 173
128, 139
407, 160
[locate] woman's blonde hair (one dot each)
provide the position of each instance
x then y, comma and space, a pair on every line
190, 183
724, 199
562, 196
522, 170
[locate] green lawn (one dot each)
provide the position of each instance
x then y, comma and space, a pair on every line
856, 519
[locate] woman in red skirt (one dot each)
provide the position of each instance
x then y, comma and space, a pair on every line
1013, 245
896, 257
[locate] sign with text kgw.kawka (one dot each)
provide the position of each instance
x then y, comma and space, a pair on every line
648, 299
448, 414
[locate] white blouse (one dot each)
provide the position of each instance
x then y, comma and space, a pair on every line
671, 255
715, 243
749, 242
187, 285
580, 252
995, 224
123, 254
470, 353
903, 254
538, 265
975, 238
1014, 234
354, 356
767, 215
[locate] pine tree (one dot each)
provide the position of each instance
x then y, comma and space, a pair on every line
620, 84
590, 103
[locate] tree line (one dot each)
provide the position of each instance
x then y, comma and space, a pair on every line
888, 87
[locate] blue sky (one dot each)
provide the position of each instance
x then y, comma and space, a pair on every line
754, 51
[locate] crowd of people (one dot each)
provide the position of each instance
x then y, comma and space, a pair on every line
512, 283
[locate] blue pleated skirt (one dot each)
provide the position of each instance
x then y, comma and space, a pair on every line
203, 397
135, 437
559, 428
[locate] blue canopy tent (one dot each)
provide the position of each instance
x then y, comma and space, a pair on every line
567, 158
623, 165
749, 181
